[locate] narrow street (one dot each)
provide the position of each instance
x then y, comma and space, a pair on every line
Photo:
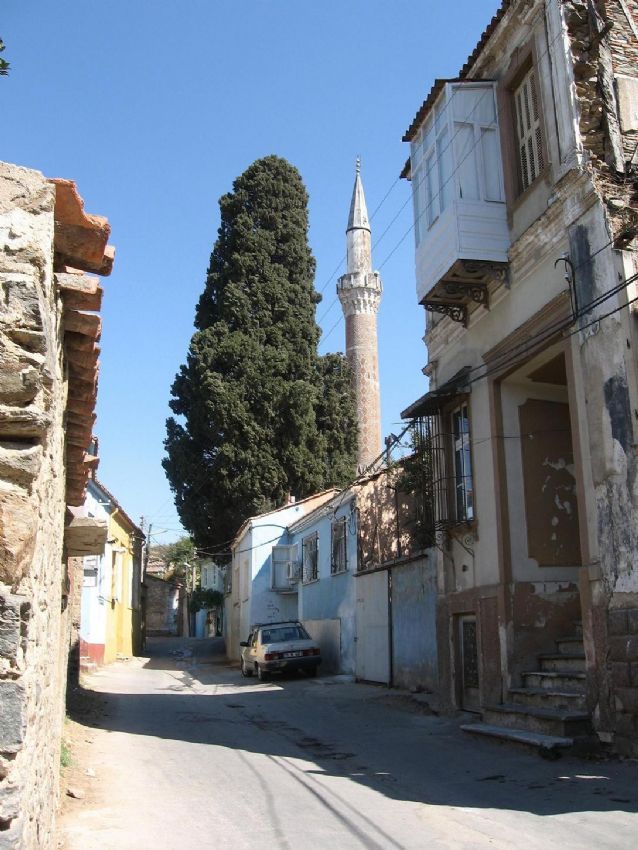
182, 752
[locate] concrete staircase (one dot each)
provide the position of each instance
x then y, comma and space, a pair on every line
548, 712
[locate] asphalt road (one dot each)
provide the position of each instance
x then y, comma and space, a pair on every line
184, 753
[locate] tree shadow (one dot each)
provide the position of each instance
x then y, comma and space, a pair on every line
351, 731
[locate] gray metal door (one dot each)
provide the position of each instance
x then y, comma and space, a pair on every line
372, 656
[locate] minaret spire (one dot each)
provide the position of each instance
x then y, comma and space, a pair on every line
359, 291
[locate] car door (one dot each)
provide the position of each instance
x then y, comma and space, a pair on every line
252, 648
245, 653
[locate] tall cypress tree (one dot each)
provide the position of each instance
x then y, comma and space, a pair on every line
261, 415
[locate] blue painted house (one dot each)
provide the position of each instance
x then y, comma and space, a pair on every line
324, 544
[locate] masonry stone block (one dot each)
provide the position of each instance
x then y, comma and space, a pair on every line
617, 648
18, 516
623, 648
9, 628
625, 746
631, 648
12, 721
617, 622
625, 725
621, 674
632, 621
627, 700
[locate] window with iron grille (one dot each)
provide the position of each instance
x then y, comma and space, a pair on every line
528, 129
310, 548
339, 560
462, 463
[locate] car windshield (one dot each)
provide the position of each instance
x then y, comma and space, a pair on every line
283, 633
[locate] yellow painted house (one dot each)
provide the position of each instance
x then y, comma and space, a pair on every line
111, 619
124, 595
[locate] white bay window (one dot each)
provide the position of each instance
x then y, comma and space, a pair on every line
456, 154
458, 190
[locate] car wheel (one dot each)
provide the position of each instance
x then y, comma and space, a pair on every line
262, 675
245, 669
312, 671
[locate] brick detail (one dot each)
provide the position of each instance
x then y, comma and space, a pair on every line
361, 351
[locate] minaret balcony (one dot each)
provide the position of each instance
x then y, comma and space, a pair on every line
360, 292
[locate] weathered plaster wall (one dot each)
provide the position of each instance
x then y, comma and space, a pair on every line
587, 55
330, 600
33, 633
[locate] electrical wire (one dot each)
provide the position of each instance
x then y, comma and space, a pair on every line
437, 194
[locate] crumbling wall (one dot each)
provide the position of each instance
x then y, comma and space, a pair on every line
32, 508
603, 35
388, 520
604, 42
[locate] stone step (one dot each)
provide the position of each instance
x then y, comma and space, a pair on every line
546, 721
563, 680
570, 645
572, 661
547, 745
548, 698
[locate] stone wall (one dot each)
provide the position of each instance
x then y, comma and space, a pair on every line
32, 511
161, 613
46, 416
604, 43
622, 628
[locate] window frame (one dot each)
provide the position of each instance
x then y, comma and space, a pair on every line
312, 575
529, 132
463, 510
291, 558
522, 62
435, 148
342, 524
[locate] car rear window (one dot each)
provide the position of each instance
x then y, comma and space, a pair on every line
283, 633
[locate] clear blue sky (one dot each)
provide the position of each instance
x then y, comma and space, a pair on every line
155, 107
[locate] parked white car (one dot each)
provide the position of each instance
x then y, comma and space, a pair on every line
279, 647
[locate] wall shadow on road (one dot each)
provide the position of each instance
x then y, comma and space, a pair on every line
426, 759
